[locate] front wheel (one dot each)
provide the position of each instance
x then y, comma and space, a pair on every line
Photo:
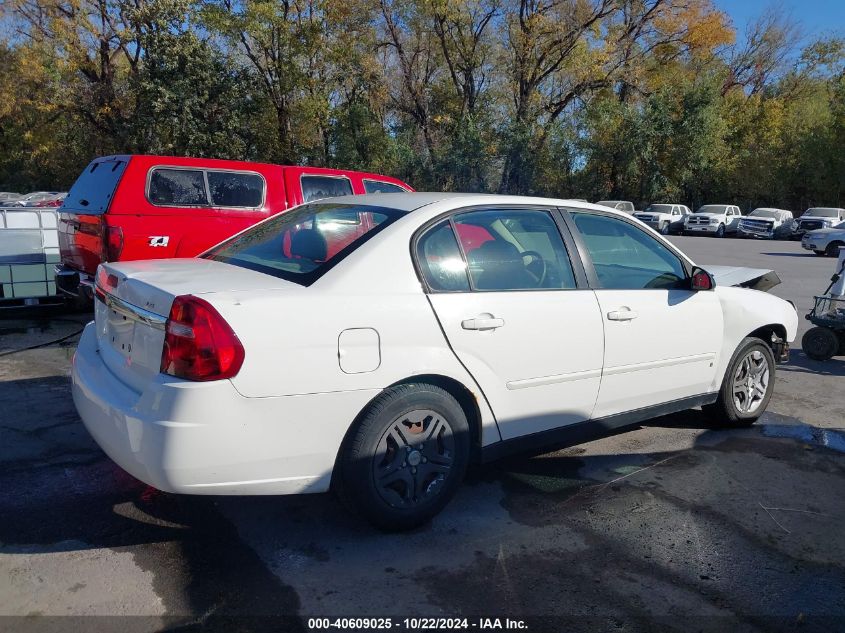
406, 458
664, 228
747, 386
832, 249
720, 232
820, 343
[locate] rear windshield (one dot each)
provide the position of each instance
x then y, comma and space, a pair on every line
93, 190
303, 244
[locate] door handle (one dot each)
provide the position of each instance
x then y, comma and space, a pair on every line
482, 322
622, 314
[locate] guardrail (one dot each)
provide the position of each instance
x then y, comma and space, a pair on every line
29, 250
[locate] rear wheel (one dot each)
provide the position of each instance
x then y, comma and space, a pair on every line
820, 343
406, 458
832, 249
747, 386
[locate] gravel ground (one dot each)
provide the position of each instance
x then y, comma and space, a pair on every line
670, 526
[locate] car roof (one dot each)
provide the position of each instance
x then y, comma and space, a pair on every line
410, 202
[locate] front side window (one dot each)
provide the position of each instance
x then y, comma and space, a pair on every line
626, 258
317, 187
514, 250
440, 260
178, 187
301, 245
376, 186
234, 189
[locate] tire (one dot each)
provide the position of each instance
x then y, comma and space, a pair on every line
841, 335
745, 391
390, 479
664, 228
820, 343
720, 232
832, 249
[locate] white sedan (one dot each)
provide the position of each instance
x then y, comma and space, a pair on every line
377, 345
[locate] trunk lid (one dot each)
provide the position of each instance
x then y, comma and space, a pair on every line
132, 311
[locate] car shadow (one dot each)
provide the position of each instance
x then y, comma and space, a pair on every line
810, 255
239, 557
799, 362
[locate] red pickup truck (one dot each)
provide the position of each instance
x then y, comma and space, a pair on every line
149, 207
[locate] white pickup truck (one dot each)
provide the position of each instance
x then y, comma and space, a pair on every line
819, 218
713, 219
665, 218
768, 223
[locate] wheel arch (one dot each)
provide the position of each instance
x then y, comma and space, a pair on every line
768, 333
460, 392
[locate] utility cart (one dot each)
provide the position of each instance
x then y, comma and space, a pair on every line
827, 338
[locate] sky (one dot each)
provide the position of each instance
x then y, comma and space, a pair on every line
815, 16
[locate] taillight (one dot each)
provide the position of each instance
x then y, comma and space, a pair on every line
112, 243
198, 343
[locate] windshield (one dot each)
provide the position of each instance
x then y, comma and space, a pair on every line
766, 213
659, 208
713, 208
303, 244
823, 212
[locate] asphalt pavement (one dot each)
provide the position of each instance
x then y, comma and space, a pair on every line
670, 526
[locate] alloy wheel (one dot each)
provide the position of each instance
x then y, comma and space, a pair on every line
751, 382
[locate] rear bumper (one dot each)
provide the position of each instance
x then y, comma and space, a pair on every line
73, 283
205, 438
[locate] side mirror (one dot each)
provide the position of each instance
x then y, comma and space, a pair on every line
701, 280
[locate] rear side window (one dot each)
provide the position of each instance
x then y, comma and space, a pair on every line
303, 244
234, 189
178, 187
316, 187
174, 187
440, 260
93, 190
376, 186
524, 251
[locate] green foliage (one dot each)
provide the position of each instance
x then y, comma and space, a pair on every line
648, 100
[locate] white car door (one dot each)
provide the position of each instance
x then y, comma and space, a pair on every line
517, 314
661, 339
733, 216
